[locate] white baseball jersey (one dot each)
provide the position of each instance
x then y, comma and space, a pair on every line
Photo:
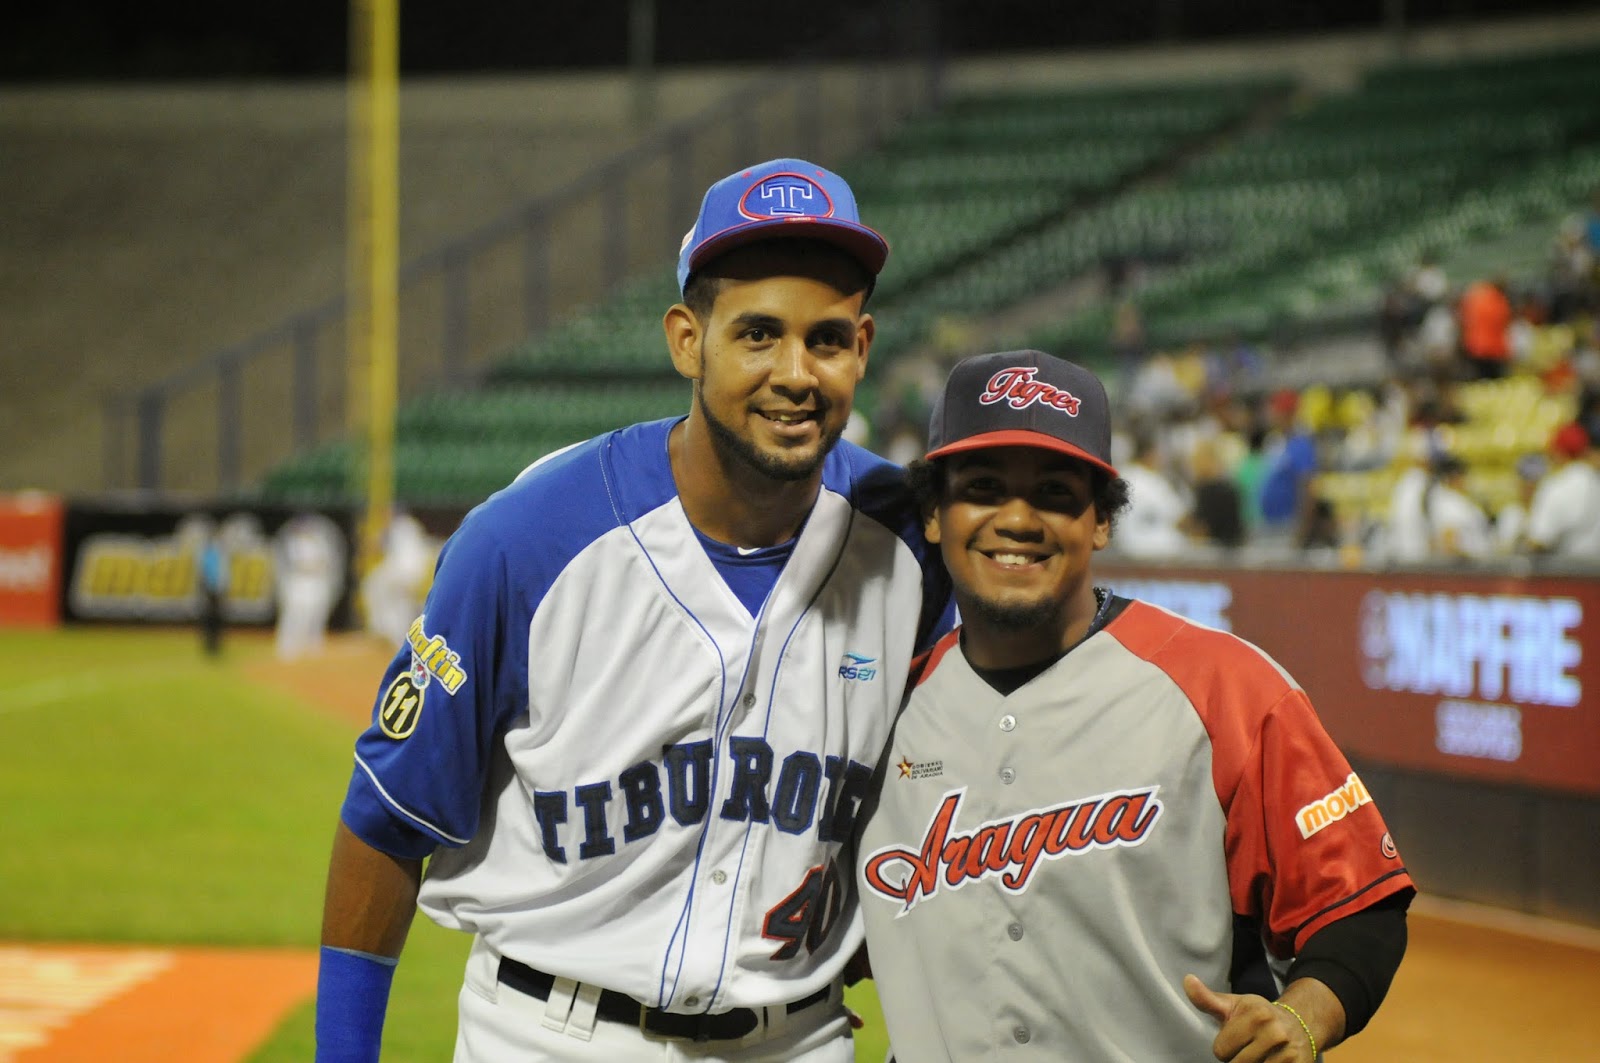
1564, 515
635, 783
1042, 869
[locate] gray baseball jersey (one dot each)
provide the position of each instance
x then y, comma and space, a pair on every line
1042, 869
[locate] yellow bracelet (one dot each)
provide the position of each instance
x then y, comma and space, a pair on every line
1302, 1022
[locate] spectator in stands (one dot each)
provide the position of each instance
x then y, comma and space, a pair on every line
1407, 303
1428, 283
1591, 225
1151, 526
1395, 322
1564, 515
1288, 503
1217, 517
1438, 338
1572, 271
1511, 523
1485, 313
1251, 469
1158, 388
1458, 528
1127, 345
1528, 313
1406, 538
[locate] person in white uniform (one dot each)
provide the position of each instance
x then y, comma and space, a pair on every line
1458, 527
1152, 527
634, 723
392, 590
310, 565
1564, 516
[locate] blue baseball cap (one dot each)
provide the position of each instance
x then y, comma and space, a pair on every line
783, 198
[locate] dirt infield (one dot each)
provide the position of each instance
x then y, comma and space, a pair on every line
93, 1004
1480, 984
342, 680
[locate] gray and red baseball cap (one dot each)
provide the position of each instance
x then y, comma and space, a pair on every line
781, 198
1022, 399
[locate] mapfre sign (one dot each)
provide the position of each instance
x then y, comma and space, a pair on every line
1481, 676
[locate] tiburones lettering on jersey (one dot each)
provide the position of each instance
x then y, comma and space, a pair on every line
809, 791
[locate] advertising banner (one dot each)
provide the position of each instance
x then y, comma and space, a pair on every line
1479, 676
30, 559
141, 564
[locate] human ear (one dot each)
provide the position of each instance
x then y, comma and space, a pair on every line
930, 526
866, 329
1102, 533
684, 340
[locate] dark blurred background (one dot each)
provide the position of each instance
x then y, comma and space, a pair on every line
166, 39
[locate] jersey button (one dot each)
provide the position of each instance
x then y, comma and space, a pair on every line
1022, 1035
1008, 722
719, 876
1015, 930
748, 700
1008, 775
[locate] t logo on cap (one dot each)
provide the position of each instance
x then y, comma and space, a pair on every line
786, 194
781, 198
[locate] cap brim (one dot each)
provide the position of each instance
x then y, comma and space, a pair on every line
1014, 437
858, 241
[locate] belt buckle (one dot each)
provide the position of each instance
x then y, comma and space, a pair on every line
650, 1032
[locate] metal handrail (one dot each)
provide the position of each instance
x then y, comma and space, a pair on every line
446, 289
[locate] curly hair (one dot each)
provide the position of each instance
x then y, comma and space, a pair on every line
1110, 493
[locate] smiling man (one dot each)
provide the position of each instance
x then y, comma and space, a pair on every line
653, 678
1133, 827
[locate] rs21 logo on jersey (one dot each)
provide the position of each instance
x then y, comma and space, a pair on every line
859, 668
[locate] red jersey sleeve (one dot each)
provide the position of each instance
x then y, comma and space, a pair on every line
1305, 843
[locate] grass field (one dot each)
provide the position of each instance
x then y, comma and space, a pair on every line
154, 796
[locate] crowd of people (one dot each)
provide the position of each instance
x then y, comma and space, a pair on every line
1383, 467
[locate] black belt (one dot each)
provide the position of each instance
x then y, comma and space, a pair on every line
619, 1007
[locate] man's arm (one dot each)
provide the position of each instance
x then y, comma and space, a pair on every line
370, 899
366, 914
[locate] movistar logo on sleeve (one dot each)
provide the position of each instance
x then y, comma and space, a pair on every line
862, 669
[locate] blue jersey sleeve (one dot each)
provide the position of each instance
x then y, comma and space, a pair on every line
449, 692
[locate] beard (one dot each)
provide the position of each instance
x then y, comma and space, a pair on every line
1014, 616
787, 467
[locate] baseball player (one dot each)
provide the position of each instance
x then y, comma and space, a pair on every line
634, 724
1134, 827
309, 566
